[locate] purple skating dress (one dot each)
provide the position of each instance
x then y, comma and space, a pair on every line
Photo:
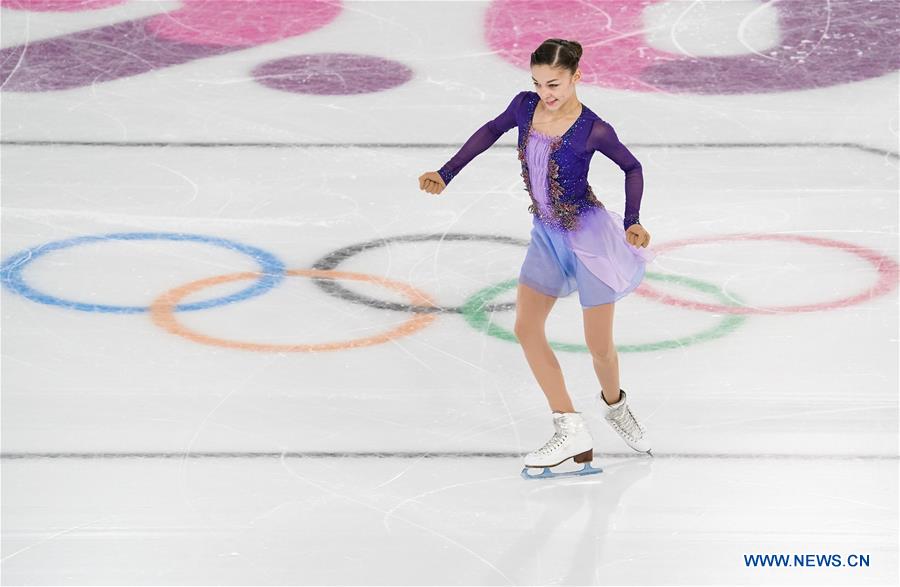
595, 258
576, 243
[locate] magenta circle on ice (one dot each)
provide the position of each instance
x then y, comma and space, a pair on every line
332, 74
820, 44
59, 5
196, 30
241, 23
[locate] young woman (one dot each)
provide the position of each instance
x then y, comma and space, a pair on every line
576, 243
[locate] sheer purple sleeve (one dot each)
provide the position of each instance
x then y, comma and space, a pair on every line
603, 138
483, 138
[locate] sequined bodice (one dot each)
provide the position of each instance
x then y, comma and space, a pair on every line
538, 155
568, 161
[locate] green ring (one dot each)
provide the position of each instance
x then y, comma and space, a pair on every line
474, 313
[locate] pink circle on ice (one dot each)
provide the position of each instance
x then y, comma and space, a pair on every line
615, 51
820, 44
332, 74
59, 5
239, 23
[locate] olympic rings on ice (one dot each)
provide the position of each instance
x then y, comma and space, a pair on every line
476, 315
163, 315
476, 311
11, 271
332, 260
886, 267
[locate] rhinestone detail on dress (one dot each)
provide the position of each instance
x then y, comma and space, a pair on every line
564, 215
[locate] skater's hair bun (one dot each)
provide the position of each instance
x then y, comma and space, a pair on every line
558, 53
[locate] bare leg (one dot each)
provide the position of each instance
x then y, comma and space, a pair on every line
598, 334
532, 309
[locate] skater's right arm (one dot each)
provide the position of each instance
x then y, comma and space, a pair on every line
483, 138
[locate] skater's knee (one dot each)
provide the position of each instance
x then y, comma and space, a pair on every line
528, 330
604, 352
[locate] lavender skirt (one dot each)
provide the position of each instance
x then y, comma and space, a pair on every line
596, 259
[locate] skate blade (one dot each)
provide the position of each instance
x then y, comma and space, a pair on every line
547, 473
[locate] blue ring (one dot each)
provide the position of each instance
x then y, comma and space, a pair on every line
11, 270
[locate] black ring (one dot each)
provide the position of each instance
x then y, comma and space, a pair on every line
333, 259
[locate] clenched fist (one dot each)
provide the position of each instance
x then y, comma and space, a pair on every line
637, 236
431, 182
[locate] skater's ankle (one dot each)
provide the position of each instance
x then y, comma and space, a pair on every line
607, 400
564, 408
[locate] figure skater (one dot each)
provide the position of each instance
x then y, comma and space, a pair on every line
576, 243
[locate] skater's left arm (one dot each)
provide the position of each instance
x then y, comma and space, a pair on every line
603, 138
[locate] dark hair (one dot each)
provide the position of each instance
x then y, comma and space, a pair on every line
558, 53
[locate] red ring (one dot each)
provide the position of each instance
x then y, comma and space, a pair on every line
887, 275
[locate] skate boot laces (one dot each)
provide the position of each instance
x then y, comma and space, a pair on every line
565, 424
624, 421
554, 443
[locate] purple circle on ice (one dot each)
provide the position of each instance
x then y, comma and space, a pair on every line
332, 74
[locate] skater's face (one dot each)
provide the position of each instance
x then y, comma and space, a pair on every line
554, 85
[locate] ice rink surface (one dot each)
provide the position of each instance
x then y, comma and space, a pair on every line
191, 393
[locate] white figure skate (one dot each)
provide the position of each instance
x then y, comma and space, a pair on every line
572, 440
620, 419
